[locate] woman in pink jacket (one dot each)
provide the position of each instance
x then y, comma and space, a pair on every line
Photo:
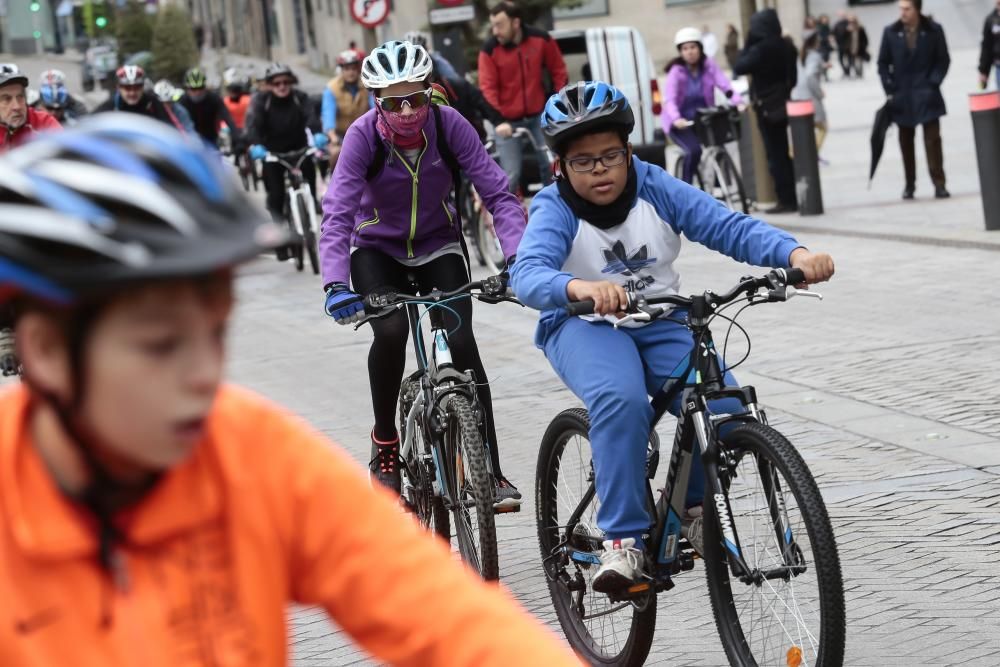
692, 78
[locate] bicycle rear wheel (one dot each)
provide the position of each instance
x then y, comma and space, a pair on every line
308, 233
489, 242
795, 615
470, 487
731, 191
679, 173
602, 631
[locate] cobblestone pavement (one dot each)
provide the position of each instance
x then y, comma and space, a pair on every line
885, 386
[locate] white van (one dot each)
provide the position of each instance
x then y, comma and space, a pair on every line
619, 57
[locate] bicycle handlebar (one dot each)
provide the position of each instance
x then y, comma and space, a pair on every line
382, 305
780, 284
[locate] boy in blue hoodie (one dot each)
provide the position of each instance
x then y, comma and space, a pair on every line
612, 223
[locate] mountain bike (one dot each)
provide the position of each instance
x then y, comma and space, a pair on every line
717, 173
446, 471
771, 561
300, 206
478, 222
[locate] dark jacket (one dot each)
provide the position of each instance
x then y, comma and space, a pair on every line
510, 76
207, 113
989, 52
771, 61
280, 124
913, 79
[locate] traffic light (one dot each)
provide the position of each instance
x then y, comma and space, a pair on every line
35, 7
101, 21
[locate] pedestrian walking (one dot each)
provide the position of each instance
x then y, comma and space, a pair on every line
511, 65
840, 39
771, 61
808, 87
825, 42
912, 63
856, 45
732, 47
989, 52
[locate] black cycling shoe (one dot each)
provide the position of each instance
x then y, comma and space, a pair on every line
507, 498
384, 466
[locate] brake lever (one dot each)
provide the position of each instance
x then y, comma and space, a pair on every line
789, 291
633, 317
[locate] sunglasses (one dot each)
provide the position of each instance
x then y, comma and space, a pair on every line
132, 87
413, 100
281, 83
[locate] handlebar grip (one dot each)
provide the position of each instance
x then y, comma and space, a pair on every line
794, 276
585, 307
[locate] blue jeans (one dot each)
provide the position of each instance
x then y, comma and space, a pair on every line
614, 371
510, 150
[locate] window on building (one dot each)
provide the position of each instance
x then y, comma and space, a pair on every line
587, 8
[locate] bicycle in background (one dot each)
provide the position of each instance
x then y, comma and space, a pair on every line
300, 205
717, 173
771, 560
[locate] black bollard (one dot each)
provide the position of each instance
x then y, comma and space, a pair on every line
985, 108
807, 189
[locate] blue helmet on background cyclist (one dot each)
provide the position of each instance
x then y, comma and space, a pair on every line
56, 99
613, 223
692, 79
389, 213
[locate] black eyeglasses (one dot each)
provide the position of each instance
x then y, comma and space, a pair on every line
395, 103
582, 165
281, 83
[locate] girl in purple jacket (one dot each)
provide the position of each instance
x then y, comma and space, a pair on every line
692, 78
381, 224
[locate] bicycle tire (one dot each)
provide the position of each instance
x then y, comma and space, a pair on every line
241, 166
641, 620
733, 193
679, 173
813, 532
470, 218
426, 506
296, 247
471, 486
488, 242
309, 234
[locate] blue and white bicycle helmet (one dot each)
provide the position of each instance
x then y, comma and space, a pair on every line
53, 96
580, 107
395, 62
118, 200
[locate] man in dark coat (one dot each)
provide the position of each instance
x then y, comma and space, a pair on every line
912, 63
989, 52
771, 61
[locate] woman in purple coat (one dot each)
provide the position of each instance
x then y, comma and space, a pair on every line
692, 78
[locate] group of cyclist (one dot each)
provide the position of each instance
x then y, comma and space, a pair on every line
124, 436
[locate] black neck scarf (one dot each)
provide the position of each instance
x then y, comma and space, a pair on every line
609, 215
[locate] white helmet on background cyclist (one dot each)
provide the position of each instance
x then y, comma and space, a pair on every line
53, 77
164, 90
687, 36
395, 62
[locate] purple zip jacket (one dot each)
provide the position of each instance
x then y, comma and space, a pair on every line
673, 95
404, 211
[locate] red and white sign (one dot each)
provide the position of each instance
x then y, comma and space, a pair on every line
370, 13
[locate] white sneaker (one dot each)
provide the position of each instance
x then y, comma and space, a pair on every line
691, 528
622, 565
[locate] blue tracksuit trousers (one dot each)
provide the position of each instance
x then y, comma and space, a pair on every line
614, 371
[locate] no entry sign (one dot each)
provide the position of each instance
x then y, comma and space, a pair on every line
370, 13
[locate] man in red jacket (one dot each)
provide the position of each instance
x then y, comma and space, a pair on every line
510, 76
18, 121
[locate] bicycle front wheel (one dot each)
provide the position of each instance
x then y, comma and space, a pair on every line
790, 611
731, 191
309, 232
470, 488
602, 631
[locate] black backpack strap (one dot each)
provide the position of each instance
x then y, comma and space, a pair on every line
378, 162
456, 179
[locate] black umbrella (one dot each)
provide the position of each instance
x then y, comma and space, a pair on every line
883, 121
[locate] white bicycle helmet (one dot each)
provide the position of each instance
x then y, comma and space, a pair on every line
687, 35
395, 62
53, 77
164, 90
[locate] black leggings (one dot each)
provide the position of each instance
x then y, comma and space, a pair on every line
374, 271
273, 175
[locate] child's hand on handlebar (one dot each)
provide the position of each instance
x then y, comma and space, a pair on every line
608, 298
